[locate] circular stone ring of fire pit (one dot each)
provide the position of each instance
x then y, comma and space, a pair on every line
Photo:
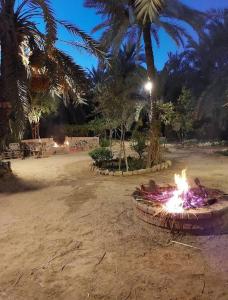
207, 220
198, 209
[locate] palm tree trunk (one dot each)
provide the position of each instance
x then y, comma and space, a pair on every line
121, 147
149, 52
35, 126
124, 151
32, 130
154, 145
110, 138
5, 109
9, 67
38, 130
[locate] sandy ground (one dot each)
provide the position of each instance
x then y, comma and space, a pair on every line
67, 233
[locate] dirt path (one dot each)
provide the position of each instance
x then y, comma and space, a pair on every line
70, 234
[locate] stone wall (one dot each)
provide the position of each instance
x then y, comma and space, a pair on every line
71, 144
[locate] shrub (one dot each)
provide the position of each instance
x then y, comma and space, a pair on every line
104, 143
100, 155
136, 164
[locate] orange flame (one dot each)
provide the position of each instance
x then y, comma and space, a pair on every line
176, 203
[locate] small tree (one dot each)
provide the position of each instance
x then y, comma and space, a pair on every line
116, 92
138, 143
114, 102
167, 113
183, 120
100, 126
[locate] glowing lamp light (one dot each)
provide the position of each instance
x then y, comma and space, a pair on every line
67, 143
176, 202
55, 145
148, 86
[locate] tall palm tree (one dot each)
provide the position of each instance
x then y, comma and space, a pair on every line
209, 61
140, 21
20, 38
53, 76
203, 68
209, 56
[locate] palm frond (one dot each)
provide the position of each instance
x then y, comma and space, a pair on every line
49, 18
70, 80
148, 10
155, 34
18, 121
177, 32
101, 26
90, 44
175, 9
114, 35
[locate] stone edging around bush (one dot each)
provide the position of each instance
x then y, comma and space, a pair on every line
156, 168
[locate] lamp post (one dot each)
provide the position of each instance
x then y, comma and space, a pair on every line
149, 87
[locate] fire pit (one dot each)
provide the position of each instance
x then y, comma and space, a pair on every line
194, 209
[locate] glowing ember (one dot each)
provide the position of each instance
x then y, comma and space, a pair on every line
176, 202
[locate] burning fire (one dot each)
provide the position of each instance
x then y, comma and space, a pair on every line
57, 146
179, 198
176, 203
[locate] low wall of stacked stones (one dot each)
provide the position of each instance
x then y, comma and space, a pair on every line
156, 168
71, 144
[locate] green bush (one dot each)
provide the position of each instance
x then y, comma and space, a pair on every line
104, 143
136, 164
100, 155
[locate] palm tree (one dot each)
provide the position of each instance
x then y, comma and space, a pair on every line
208, 59
20, 39
203, 68
140, 21
53, 76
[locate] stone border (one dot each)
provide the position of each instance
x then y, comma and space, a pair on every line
208, 220
156, 168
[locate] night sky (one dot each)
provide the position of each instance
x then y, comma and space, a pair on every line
73, 11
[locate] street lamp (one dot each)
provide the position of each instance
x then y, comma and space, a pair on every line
149, 86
